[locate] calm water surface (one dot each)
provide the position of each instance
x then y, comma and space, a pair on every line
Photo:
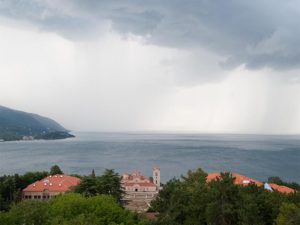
257, 156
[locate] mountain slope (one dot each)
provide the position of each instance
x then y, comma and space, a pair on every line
14, 125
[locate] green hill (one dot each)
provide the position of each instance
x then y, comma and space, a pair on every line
18, 125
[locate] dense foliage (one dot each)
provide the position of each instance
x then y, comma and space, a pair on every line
109, 183
54, 135
11, 187
71, 209
191, 201
55, 170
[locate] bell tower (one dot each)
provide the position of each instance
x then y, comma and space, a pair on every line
156, 177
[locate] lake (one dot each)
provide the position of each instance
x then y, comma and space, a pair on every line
257, 156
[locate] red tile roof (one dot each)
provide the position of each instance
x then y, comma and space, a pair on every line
239, 179
54, 183
282, 188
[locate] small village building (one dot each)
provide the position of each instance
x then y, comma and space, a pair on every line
281, 188
239, 179
49, 186
243, 180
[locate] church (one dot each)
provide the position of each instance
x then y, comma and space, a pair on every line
140, 190
136, 182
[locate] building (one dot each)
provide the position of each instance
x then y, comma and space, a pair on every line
140, 190
239, 179
281, 188
49, 186
136, 182
243, 180
27, 138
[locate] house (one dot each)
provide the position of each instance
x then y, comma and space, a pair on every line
49, 186
281, 188
243, 180
239, 179
27, 138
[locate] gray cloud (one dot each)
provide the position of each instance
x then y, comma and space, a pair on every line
258, 33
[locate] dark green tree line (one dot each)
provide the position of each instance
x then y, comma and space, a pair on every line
192, 201
11, 187
109, 184
71, 209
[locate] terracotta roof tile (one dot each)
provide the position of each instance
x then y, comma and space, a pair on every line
54, 183
239, 179
282, 188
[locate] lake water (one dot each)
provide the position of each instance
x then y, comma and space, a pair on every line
257, 156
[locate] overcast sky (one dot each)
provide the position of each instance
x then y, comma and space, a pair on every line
172, 65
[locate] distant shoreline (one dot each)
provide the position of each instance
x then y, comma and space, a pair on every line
59, 135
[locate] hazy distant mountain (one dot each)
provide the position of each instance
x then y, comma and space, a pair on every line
16, 125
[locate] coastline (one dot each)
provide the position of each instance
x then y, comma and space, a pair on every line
60, 135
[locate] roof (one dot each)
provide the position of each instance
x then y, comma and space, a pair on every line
282, 188
53, 183
239, 179
136, 179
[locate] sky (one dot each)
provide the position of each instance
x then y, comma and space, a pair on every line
147, 65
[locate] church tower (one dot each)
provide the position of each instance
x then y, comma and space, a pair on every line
156, 177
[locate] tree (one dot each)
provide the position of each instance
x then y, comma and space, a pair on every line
29, 212
250, 210
93, 174
164, 199
71, 209
222, 208
183, 201
110, 183
275, 180
289, 215
11, 187
87, 186
55, 170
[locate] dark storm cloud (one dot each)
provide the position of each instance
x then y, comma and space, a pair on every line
257, 33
